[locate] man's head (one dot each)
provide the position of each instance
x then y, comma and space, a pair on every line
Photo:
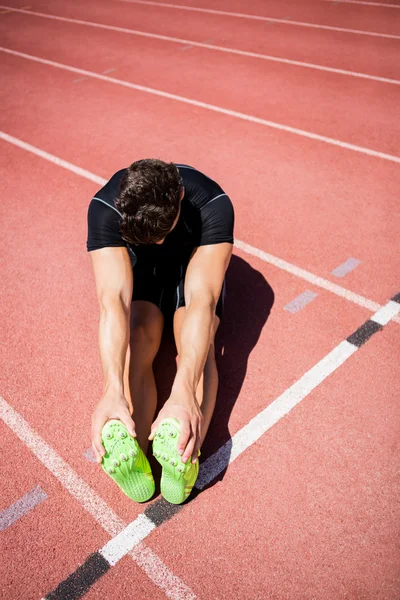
149, 201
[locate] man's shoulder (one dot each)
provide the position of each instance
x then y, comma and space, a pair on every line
109, 191
199, 188
103, 217
190, 173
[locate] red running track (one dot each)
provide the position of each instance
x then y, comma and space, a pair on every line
309, 510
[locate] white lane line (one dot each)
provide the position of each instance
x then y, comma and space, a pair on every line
261, 18
211, 107
310, 277
21, 507
247, 248
280, 407
365, 3
386, 313
83, 493
89, 455
161, 576
76, 486
349, 265
51, 158
300, 301
191, 43
122, 543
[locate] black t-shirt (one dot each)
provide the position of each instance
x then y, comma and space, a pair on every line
206, 217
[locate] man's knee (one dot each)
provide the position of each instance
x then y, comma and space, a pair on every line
145, 337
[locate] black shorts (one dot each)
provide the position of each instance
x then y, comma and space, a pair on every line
164, 287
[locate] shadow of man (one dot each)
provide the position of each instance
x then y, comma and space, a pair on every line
249, 299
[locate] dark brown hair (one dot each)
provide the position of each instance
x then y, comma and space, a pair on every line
148, 200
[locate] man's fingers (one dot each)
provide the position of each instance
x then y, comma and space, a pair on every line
98, 449
127, 420
96, 453
183, 439
196, 448
97, 425
189, 449
153, 429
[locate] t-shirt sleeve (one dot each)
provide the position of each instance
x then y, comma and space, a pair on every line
218, 219
103, 227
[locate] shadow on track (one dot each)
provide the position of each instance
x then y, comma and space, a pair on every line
248, 304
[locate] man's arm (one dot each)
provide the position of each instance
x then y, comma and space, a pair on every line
203, 283
114, 284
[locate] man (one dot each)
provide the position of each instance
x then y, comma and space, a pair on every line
160, 238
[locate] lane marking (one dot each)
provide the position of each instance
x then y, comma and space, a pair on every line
21, 507
386, 313
121, 544
161, 575
89, 455
310, 277
300, 301
80, 582
51, 158
211, 107
280, 407
87, 498
76, 486
161, 511
364, 333
243, 246
365, 3
190, 44
10, 10
261, 18
349, 265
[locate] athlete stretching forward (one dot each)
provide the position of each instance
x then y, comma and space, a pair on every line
160, 238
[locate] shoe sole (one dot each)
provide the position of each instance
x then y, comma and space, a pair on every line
120, 462
174, 487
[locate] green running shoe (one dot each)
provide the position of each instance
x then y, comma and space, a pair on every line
178, 478
126, 463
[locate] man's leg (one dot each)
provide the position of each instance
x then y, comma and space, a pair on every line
147, 324
206, 393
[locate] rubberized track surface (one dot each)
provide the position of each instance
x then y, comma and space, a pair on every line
307, 413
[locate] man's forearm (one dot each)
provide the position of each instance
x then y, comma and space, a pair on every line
113, 342
195, 343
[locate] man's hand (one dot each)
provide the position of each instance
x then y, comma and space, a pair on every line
113, 405
183, 406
